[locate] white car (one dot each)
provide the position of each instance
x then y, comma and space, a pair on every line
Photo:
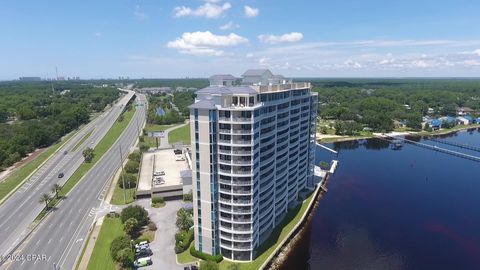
179, 158
160, 173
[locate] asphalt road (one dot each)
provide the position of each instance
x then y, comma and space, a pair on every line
59, 239
22, 207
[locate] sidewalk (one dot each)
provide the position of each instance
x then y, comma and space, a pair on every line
91, 244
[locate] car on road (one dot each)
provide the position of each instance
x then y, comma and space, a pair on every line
60, 175
65, 152
190, 267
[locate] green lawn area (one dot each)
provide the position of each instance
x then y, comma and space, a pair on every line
180, 135
153, 127
150, 141
288, 223
117, 197
185, 257
101, 148
15, 179
101, 259
83, 140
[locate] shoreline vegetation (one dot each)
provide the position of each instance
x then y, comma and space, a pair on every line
326, 138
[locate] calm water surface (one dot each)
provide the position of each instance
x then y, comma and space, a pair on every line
408, 209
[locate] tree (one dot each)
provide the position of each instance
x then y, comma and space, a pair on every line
188, 197
56, 189
184, 220
137, 212
125, 257
88, 154
132, 166
45, 198
208, 265
130, 226
130, 181
118, 244
135, 156
121, 118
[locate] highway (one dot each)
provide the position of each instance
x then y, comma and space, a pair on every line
59, 239
23, 206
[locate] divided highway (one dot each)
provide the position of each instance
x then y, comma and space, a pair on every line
23, 206
59, 239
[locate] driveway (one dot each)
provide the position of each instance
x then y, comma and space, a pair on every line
163, 246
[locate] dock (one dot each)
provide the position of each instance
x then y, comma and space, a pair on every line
460, 145
432, 147
328, 149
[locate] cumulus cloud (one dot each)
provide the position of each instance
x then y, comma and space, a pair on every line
205, 43
251, 12
229, 26
209, 10
273, 39
477, 52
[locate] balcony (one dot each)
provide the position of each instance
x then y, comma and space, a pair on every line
280, 87
241, 142
241, 131
236, 202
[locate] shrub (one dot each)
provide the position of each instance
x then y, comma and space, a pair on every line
142, 239
125, 257
158, 200
118, 244
132, 166
135, 156
130, 180
208, 265
137, 212
152, 226
144, 147
207, 257
188, 197
130, 226
183, 239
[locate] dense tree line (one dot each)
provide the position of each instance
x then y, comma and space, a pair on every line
377, 103
182, 100
35, 115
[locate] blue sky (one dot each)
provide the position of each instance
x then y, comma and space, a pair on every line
166, 39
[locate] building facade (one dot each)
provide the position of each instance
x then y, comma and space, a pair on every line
252, 154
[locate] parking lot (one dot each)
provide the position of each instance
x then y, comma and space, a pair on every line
163, 256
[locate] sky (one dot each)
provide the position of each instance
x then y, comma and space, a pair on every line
198, 38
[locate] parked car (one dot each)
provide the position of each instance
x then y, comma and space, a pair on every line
179, 158
143, 252
160, 173
143, 244
60, 175
142, 262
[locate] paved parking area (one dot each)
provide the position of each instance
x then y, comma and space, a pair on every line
163, 247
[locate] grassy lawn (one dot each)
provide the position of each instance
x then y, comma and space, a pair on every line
185, 257
153, 127
15, 179
83, 140
150, 141
101, 148
101, 259
117, 197
180, 135
277, 236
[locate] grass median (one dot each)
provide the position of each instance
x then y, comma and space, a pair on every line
102, 147
83, 140
15, 179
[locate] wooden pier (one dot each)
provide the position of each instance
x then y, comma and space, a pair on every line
460, 145
432, 147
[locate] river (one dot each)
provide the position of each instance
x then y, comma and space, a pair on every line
412, 208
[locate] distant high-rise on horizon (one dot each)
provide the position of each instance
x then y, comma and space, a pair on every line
253, 153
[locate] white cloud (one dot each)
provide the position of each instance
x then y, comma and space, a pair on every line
139, 14
471, 63
229, 26
209, 10
205, 43
249, 55
352, 64
477, 52
250, 12
273, 39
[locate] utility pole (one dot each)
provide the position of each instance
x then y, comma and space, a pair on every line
123, 178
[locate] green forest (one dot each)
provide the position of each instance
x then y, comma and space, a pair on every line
376, 103
37, 114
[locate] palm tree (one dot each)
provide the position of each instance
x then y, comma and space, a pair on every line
45, 198
56, 189
184, 220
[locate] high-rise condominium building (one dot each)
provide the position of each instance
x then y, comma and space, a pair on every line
252, 154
